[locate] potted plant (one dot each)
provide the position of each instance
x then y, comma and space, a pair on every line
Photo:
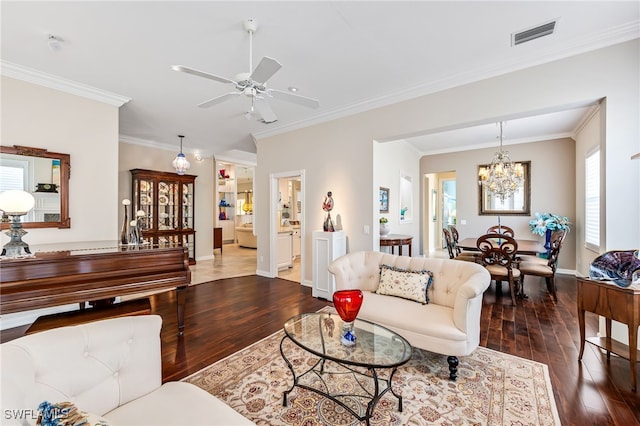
546, 223
384, 226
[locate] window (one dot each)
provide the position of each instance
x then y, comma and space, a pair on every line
592, 200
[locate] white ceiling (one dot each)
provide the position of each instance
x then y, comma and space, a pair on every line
352, 56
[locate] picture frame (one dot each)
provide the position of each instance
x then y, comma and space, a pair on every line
517, 204
384, 200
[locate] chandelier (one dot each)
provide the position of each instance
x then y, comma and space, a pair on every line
502, 178
180, 163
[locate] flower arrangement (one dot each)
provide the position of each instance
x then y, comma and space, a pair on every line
383, 219
549, 222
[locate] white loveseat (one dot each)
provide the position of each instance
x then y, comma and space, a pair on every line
449, 324
111, 369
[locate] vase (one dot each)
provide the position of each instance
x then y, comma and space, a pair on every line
347, 304
384, 229
125, 225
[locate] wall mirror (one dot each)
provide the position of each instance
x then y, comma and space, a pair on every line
46, 176
518, 204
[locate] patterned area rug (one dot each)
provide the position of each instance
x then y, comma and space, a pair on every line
492, 388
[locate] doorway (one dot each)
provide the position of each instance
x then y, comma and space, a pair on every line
287, 226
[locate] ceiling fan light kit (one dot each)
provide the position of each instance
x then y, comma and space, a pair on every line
252, 84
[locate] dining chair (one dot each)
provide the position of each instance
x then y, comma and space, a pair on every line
501, 229
463, 255
555, 235
498, 254
454, 252
546, 270
448, 240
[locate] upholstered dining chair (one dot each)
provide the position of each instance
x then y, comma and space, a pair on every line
555, 236
501, 229
498, 254
454, 250
546, 270
462, 255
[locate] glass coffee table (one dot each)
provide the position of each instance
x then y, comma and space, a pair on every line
371, 363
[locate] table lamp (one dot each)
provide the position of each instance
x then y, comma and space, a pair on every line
15, 203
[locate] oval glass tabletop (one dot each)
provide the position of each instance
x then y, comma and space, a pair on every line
376, 346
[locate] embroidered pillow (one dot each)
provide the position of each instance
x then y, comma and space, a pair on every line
404, 283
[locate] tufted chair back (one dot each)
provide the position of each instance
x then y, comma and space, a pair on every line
361, 270
98, 366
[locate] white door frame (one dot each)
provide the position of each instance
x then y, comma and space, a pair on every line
273, 214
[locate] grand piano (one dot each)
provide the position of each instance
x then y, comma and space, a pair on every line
62, 274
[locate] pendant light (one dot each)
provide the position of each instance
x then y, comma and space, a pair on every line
180, 163
502, 178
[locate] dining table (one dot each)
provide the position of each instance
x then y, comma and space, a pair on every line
532, 247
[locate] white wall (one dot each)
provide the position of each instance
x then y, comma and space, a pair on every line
143, 157
40, 117
391, 159
338, 155
587, 139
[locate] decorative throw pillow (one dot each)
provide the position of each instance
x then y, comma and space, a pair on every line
66, 414
405, 283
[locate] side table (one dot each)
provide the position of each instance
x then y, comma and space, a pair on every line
393, 240
613, 303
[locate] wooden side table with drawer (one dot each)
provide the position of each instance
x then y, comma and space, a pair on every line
613, 303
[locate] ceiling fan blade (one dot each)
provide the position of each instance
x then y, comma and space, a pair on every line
201, 74
218, 99
263, 107
290, 97
265, 69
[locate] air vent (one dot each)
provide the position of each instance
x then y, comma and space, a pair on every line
533, 33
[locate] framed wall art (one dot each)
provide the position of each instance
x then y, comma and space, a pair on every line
384, 200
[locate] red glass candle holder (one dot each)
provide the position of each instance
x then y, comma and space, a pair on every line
347, 304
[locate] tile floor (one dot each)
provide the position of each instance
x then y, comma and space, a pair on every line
235, 261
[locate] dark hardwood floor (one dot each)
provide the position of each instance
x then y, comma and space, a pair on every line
226, 315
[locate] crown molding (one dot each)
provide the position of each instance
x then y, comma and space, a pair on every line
51, 81
504, 143
616, 35
147, 143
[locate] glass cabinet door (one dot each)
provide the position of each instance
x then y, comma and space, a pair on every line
168, 206
146, 202
187, 206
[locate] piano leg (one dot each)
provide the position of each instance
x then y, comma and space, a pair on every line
181, 297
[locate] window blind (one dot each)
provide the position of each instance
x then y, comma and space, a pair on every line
592, 200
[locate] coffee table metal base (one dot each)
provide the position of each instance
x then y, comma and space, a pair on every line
381, 385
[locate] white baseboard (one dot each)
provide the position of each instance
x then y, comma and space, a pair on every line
567, 271
17, 319
262, 273
210, 257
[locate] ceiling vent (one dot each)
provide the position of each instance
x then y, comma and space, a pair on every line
533, 33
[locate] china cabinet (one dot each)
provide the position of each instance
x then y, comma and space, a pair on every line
168, 203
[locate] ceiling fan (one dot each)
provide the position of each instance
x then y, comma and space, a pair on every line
252, 85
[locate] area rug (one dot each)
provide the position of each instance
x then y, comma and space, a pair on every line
492, 388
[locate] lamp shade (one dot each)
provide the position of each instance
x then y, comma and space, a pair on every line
181, 164
16, 202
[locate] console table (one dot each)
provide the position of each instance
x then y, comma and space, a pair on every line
79, 272
613, 303
393, 240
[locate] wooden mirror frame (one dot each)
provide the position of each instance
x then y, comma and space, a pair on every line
65, 173
526, 183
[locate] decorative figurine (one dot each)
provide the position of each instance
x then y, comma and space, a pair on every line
327, 206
